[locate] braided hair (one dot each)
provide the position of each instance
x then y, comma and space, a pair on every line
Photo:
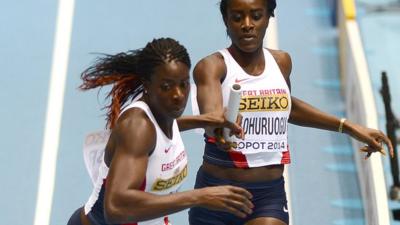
270, 6
126, 70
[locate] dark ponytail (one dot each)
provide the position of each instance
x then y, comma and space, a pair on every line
126, 72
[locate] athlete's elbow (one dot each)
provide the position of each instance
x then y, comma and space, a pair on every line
112, 214
116, 214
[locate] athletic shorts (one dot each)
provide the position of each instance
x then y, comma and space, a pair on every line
269, 199
75, 219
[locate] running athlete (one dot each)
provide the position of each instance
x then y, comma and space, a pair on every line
257, 163
145, 160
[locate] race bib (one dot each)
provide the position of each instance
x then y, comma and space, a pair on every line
93, 152
249, 147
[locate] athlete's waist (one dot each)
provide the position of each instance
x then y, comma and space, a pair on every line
256, 174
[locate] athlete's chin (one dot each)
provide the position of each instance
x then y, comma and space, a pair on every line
176, 113
249, 48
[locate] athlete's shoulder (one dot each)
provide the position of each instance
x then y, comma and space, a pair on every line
212, 65
214, 60
283, 60
133, 125
280, 56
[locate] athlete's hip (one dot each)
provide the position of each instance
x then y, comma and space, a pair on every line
256, 174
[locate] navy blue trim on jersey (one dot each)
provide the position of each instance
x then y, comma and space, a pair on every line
215, 155
96, 214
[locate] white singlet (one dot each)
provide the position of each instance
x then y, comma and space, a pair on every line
265, 106
166, 170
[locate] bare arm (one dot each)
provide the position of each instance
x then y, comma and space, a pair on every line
209, 121
125, 203
303, 114
201, 121
207, 75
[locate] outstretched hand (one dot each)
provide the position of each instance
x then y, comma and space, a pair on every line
217, 120
221, 142
227, 198
235, 129
373, 139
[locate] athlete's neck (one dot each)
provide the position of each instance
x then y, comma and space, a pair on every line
251, 62
163, 121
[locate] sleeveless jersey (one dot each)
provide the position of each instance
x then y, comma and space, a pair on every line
265, 106
166, 170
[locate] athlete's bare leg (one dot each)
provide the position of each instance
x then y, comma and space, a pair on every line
266, 221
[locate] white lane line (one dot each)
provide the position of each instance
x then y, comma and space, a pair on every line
54, 112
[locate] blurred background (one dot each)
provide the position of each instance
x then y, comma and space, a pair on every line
46, 44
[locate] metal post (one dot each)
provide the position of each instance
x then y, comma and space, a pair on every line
391, 124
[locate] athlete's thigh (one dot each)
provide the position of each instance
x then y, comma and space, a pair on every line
265, 221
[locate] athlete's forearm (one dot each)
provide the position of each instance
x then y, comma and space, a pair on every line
209, 99
135, 205
303, 114
198, 121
